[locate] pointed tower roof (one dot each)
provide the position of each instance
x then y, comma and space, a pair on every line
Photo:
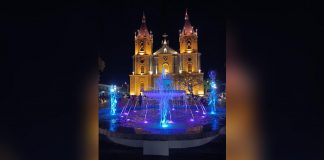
187, 28
143, 31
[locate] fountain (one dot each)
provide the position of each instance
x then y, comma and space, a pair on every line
164, 118
164, 93
213, 94
113, 99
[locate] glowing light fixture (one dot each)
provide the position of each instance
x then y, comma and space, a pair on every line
164, 125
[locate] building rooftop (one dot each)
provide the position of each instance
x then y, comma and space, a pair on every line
165, 49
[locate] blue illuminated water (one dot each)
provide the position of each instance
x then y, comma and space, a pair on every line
113, 99
164, 111
164, 84
212, 99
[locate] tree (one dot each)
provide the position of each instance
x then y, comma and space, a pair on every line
188, 80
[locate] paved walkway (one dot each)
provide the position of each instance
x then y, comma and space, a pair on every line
211, 151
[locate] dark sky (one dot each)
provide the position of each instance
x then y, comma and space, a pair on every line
49, 52
121, 20
49, 49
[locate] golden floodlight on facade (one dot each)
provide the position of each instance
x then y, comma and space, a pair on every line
148, 64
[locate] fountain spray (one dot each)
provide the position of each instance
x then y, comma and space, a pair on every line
213, 94
113, 99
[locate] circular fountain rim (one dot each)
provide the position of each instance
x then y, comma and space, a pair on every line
162, 137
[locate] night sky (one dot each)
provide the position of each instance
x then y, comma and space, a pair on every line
49, 50
121, 20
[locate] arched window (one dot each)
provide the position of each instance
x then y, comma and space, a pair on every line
188, 44
141, 46
142, 69
166, 67
189, 67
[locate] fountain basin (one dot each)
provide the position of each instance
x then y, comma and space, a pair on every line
134, 130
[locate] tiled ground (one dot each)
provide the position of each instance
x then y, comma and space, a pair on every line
214, 150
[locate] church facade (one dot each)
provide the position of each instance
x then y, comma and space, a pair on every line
182, 66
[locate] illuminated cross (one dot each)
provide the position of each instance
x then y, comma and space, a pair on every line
164, 36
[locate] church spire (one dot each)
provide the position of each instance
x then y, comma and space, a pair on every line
187, 28
143, 31
188, 38
186, 16
143, 39
143, 18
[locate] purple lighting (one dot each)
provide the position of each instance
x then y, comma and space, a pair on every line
148, 119
163, 93
180, 122
181, 114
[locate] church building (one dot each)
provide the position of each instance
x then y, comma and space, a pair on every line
183, 66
